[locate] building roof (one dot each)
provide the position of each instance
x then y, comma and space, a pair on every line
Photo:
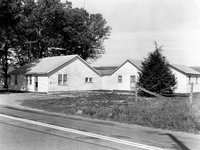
185, 70
196, 68
107, 70
136, 63
48, 64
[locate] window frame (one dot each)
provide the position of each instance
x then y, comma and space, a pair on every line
60, 82
88, 79
119, 78
64, 79
131, 78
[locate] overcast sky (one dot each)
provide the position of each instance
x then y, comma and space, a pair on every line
136, 24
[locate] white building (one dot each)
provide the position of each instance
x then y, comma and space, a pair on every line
61, 73
122, 77
66, 73
184, 77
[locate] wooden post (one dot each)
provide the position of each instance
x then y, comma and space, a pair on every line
136, 92
191, 93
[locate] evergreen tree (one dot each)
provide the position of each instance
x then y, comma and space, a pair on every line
155, 74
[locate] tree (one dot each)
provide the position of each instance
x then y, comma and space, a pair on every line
9, 18
29, 29
50, 23
155, 74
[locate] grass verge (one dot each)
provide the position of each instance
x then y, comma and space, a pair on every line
174, 113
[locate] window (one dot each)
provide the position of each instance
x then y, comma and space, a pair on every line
15, 79
30, 79
64, 79
119, 79
59, 79
196, 80
88, 80
132, 80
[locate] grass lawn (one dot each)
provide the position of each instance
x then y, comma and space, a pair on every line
173, 113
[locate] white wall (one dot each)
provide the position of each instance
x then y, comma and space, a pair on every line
196, 87
111, 82
30, 87
42, 84
182, 82
76, 73
183, 85
23, 86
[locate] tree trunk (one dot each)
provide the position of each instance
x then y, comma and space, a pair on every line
5, 66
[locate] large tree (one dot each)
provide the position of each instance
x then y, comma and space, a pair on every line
33, 29
50, 23
155, 74
10, 11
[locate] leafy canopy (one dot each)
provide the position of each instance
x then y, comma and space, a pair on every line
50, 23
155, 74
9, 18
32, 29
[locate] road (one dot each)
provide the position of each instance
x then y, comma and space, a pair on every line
26, 129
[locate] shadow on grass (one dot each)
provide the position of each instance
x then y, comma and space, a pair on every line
178, 143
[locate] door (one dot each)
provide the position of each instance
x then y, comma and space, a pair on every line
36, 83
132, 83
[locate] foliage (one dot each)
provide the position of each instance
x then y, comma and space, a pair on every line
155, 74
34, 29
48, 25
9, 18
167, 113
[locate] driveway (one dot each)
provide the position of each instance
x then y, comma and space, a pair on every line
15, 99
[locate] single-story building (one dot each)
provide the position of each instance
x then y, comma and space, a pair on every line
122, 77
67, 73
61, 73
184, 77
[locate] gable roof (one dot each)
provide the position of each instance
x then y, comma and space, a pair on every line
48, 64
196, 68
185, 70
109, 70
106, 71
135, 63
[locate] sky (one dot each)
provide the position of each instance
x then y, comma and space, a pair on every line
136, 24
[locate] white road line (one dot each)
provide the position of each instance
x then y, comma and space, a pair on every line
124, 142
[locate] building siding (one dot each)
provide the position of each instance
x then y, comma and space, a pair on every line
182, 82
127, 70
183, 85
42, 84
76, 72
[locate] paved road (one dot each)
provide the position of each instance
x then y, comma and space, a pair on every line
38, 136
17, 136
